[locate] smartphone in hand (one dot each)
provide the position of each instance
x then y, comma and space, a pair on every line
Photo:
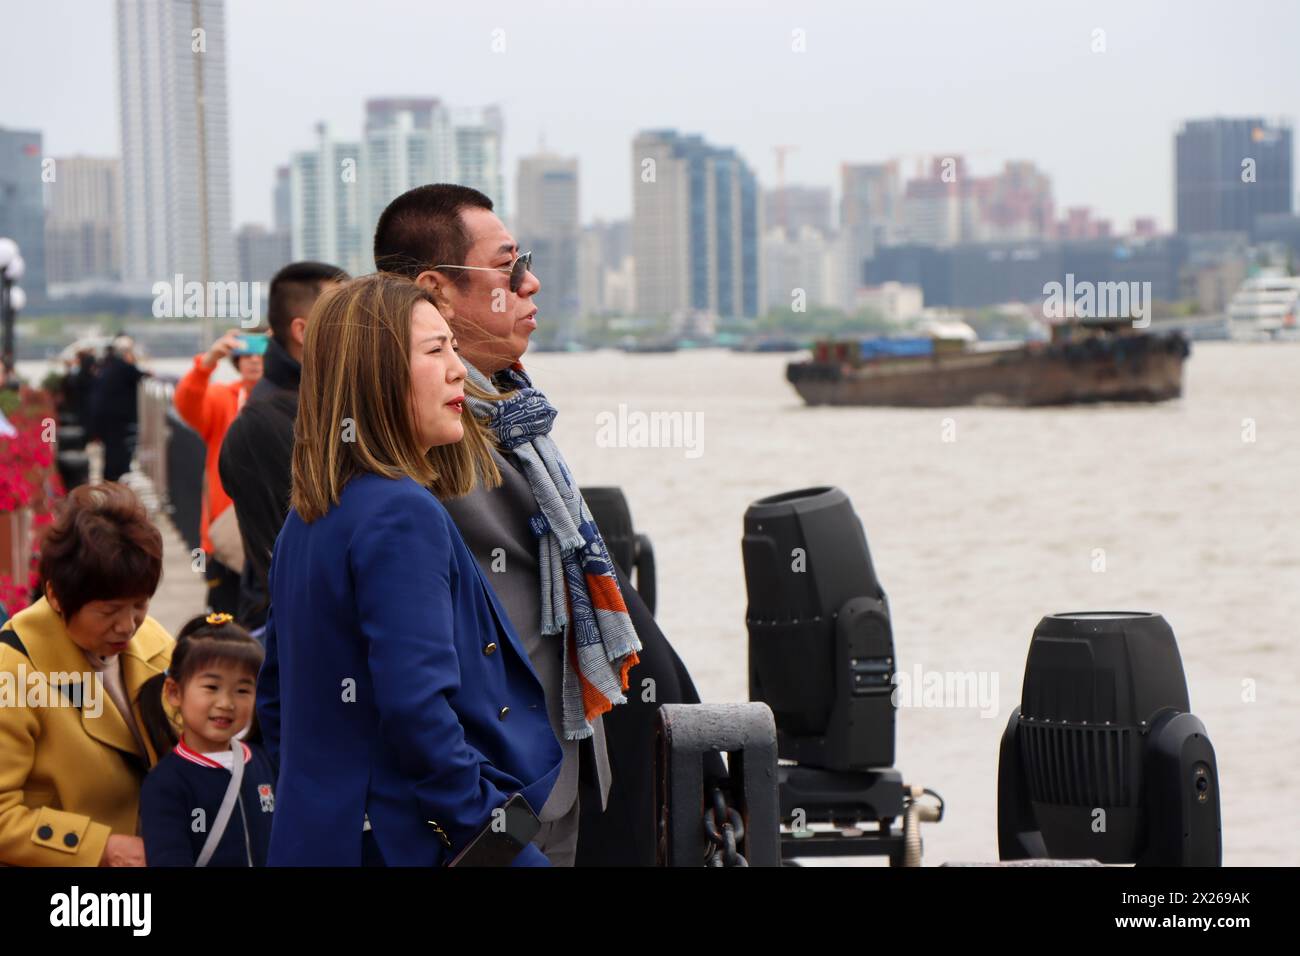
503, 838
251, 343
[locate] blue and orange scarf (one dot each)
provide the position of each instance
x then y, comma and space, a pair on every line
580, 594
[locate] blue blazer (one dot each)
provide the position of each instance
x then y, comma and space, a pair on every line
394, 687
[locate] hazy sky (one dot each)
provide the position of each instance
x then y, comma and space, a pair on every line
992, 80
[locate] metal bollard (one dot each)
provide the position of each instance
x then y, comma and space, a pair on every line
746, 733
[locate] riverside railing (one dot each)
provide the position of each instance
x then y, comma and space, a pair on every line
171, 455
155, 401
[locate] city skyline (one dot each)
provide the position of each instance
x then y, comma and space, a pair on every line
1097, 149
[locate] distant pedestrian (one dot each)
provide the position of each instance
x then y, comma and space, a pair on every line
209, 409
115, 408
77, 386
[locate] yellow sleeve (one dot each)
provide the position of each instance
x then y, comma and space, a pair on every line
35, 836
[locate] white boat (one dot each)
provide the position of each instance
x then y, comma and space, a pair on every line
1265, 307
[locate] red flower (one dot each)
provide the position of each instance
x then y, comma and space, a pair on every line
28, 479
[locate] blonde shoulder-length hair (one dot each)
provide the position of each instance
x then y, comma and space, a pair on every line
356, 413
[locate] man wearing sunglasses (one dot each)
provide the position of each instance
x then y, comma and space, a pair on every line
485, 277
448, 239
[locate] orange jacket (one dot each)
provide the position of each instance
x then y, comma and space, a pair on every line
209, 410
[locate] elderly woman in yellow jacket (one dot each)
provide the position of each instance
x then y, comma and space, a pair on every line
73, 746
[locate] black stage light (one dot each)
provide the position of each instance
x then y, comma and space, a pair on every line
1103, 759
821, 651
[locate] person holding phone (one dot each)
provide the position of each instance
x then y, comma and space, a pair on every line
403, 711
209, 407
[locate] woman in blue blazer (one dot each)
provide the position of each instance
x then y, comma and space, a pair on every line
396, 697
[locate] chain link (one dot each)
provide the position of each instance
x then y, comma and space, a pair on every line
725, 829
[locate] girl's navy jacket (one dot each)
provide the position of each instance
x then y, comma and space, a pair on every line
185, 782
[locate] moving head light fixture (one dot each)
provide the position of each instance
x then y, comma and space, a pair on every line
821, 651
1103, 759
821, 656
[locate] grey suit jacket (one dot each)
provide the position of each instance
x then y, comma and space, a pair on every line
494, 525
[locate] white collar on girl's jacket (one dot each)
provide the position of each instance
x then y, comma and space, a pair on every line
219, 758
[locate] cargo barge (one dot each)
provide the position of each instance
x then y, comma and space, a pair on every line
1083, 362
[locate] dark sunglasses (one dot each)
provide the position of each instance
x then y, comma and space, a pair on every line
516, 270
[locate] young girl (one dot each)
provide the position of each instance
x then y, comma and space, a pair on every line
210, 685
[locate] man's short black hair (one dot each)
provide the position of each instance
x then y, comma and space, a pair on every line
422, 228
294, 290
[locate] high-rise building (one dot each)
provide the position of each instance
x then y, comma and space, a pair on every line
83, 221
171, 71
22, 209
282, 202
618, 289
1013, 204
1144, 227
870, 200
1229, 172
262, 253
546, 222
604, 267
871, 215
947, 205
799, 270
1281, 230
661, 225
325, 203
695, 230
479, 162
546, 192
793, 207
938, 206
337, 191
1080, 224
407, 142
